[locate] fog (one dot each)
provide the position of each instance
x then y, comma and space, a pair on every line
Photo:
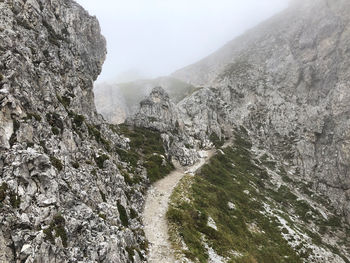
150, 38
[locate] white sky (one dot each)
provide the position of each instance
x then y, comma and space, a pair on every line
157, 37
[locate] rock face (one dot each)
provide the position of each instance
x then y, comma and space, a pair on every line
287, 81
158, 112
62, 195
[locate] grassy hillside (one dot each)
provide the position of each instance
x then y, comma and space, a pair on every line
238, 209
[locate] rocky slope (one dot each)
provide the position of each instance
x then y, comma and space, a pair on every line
72, 187
242, 207
66, 192
287, 82
273, 215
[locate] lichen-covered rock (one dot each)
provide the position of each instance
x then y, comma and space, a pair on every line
63, 196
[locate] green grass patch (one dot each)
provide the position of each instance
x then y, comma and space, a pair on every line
56, 163
157, 167
230, 177
34, 115
216, 140
147, 146
57, 229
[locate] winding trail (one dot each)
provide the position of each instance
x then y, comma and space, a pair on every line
154, 215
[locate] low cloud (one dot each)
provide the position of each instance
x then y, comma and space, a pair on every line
157, 37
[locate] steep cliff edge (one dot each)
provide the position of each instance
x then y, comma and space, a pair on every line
287, 82
67, 193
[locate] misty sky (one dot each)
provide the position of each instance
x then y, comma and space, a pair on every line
152, 38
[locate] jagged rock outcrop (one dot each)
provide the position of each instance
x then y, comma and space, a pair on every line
63, 193
287, 81
158, 112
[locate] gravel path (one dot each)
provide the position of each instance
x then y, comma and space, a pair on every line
154, 215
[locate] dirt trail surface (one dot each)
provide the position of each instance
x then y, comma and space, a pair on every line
154, 215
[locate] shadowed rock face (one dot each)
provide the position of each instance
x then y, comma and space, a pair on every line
287, 81
61, 191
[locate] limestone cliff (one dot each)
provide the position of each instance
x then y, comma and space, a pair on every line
65, 194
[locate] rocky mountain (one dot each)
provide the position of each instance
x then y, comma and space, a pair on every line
118, 101
71, 185
245, 188
274, 103
287, 82
283, 86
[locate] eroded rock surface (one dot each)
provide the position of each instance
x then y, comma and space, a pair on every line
62, 195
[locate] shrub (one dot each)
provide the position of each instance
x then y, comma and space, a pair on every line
131, 253
100, 160
133, 213
127, 178
3, 189
103, 196
56, 163
55, 130
58, 226
103, 216
65, 101
55, 121
214, 138
15, 199
123, 215
75, 165
94, 131
78, 120
36, 116
16, 126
